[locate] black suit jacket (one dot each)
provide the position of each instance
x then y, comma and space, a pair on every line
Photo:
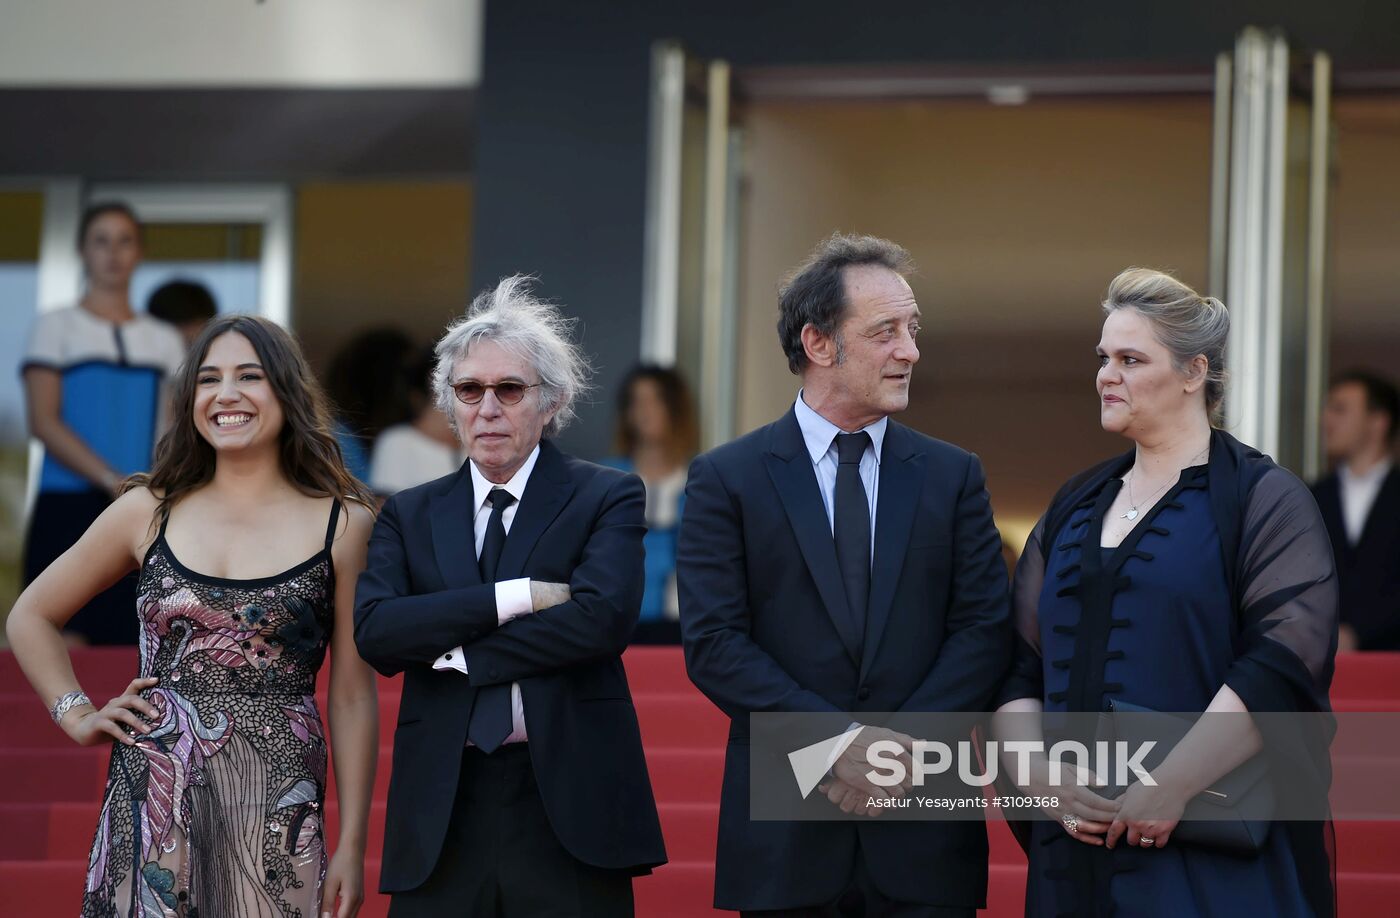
1368, 572
421, 595
762, 613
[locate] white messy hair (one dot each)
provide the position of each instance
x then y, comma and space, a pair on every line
515, 319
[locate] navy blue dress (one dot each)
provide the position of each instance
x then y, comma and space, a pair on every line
1153, 623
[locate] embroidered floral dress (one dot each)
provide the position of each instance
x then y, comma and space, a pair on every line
217, 812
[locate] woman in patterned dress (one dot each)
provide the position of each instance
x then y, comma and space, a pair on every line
215, 794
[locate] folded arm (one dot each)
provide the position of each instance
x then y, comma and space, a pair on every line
605, 598
396, 628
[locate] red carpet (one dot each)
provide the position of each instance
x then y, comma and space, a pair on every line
50, 791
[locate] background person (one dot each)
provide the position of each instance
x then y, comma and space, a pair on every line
1360, 502
95, 381
186, 304
656, 437
1190, 574
420, 450
369, 391
248, 535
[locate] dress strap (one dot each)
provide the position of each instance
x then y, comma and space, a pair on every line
330, 527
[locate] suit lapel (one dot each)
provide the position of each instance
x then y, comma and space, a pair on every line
454, 539
790, 468
546, 492
901, 484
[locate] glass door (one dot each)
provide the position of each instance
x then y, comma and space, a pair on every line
689, 278
1269, 258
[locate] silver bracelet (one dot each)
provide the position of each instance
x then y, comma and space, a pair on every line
67, 703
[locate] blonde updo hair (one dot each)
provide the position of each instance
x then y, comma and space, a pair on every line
1186, 323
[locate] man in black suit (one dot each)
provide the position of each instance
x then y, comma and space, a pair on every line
836, 561
1360, 502
506, 594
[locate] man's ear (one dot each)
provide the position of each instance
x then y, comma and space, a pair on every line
820, 348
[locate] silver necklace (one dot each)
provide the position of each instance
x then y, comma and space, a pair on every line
1133, 512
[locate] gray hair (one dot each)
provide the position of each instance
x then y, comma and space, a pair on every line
515, 319
1187, 324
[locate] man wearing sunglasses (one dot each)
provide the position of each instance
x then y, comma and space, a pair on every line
505, 594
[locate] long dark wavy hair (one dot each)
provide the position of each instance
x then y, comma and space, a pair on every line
310, 455
680, 410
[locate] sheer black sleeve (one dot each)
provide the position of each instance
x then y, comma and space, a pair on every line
1026, 679
1287, 593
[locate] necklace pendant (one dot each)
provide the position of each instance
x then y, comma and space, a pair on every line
1131, 515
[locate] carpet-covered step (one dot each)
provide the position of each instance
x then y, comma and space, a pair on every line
678, 890
1366, 705
74, 774
685, 775
1366, 675
658, 668
680, 719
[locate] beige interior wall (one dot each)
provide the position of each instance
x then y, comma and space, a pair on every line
1365, 283
1018, 218
371, 254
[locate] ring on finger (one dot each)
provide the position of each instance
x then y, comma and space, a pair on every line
1071, 822
1146, 842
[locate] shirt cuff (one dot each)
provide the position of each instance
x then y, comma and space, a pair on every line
513, 599
453, 659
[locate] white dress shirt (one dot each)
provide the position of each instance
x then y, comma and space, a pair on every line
1359, 496
820, 436
512, 596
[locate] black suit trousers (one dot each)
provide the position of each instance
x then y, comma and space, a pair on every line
501, 859
862, 899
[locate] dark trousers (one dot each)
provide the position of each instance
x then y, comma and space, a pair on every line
860, 899
58, 521
502, 860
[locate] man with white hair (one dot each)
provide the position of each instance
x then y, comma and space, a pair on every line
505, 594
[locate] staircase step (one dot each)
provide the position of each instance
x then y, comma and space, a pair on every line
1367, 675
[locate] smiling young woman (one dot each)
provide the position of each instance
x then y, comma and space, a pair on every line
248, 536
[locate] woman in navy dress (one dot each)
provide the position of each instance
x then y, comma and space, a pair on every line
247, 536
1190, 575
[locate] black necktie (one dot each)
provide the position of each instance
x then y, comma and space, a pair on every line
490, 721
852, 525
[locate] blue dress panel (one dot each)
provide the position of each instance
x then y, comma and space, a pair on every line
1150, 622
